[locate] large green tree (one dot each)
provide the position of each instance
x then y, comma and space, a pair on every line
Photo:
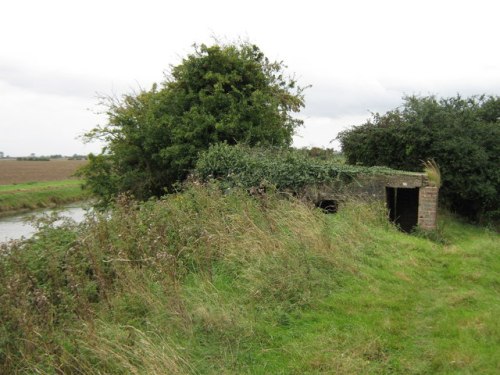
220, 93
461, 134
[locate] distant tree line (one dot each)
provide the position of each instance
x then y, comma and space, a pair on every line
77, 157
33, 158
51, 157
461, 134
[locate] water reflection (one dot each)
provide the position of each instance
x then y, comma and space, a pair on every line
15, 226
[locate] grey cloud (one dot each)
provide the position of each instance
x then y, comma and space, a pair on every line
448, 89
338, 100
51, 82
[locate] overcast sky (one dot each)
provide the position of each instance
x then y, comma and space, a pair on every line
359, 56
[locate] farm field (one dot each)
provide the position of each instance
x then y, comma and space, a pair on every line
16, 172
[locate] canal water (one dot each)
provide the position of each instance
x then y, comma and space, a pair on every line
16, 226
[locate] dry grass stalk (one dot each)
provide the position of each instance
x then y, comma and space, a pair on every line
431, 169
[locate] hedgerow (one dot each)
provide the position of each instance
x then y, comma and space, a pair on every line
461, 134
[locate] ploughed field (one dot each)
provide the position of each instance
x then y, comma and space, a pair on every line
16, 172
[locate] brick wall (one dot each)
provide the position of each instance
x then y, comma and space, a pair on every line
427, 207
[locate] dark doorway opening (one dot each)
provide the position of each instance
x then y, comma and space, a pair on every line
329, 206
402, 204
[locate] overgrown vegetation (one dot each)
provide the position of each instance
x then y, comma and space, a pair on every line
221, 93
460, 134
206, 282
284, 169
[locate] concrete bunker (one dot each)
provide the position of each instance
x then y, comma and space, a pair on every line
410, 198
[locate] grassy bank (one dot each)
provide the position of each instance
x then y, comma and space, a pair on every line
203, 282
23, 196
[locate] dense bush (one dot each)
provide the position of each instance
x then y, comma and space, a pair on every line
228, 93
462, 135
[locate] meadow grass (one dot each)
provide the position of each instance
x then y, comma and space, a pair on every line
31, 195
209, 283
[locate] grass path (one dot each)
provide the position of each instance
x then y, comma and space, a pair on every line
411, 307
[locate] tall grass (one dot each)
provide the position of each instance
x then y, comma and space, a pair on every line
431, 169
212, 282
